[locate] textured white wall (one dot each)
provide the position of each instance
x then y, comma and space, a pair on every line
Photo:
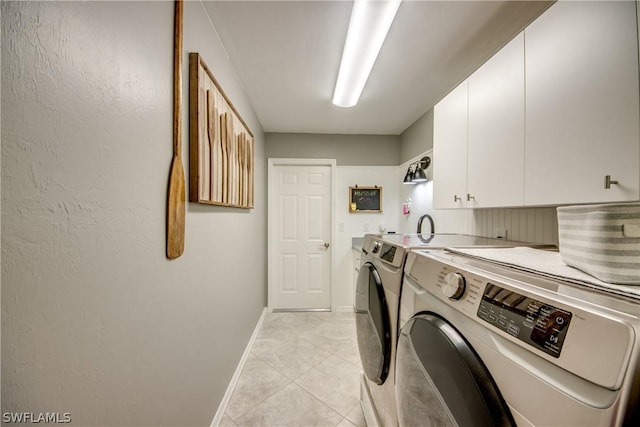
95, 320
538, 225
350, 225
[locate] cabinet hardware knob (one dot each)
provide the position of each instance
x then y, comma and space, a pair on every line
326, 245
469, 197
456, 198
608, 181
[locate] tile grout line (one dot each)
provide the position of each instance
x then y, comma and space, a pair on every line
259, 329
282, 343
269, 396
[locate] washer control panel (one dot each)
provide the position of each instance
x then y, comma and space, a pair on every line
536, 323
589, 340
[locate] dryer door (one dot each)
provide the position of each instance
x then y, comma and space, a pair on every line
372, 324
441, 381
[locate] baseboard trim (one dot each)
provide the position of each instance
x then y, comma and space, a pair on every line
343, 309
217, 418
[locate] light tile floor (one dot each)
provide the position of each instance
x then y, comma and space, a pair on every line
303, 370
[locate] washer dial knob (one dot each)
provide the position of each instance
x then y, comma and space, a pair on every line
454, 285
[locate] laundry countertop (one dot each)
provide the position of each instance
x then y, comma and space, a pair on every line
549, 264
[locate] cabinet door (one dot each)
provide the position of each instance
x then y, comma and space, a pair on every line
450, 149
582, 104
495, 150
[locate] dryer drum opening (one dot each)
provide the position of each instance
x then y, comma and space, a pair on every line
440, 380
372, 325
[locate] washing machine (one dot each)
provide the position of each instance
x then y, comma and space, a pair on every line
482, 344
377, 302
376, 310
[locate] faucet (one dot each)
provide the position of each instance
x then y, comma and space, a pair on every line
433, 227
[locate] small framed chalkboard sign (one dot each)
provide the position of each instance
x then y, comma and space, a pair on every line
365, 199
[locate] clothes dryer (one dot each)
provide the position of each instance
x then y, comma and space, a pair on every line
485, 345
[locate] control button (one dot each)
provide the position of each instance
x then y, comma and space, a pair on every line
513, 330
528, 325
502, 295
560, 320
502, 323
492, 317
454, 286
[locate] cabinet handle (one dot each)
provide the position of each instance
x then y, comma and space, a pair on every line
469, 197
608, 181
456, 198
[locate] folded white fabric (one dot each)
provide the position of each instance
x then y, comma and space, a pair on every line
548, 264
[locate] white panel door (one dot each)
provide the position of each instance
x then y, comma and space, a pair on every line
582, 104
495, 149
450, 149
301, 264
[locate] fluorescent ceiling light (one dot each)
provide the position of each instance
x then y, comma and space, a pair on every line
368, 27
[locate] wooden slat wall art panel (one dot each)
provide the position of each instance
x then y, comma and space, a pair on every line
221, 166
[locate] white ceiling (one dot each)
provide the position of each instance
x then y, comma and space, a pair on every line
287, 55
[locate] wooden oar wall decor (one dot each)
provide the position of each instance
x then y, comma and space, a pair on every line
176, 192
220, 144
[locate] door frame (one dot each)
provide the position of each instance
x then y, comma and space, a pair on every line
272, 164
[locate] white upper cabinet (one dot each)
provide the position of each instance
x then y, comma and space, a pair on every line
495, 150
582, 118
478, 142
450, 149
548, 118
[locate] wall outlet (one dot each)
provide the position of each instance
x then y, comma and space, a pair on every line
341, 226
365, 227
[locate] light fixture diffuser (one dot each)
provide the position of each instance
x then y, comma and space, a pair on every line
368, 27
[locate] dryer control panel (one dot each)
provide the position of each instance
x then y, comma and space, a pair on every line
539, 324
385, 251
536, 313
